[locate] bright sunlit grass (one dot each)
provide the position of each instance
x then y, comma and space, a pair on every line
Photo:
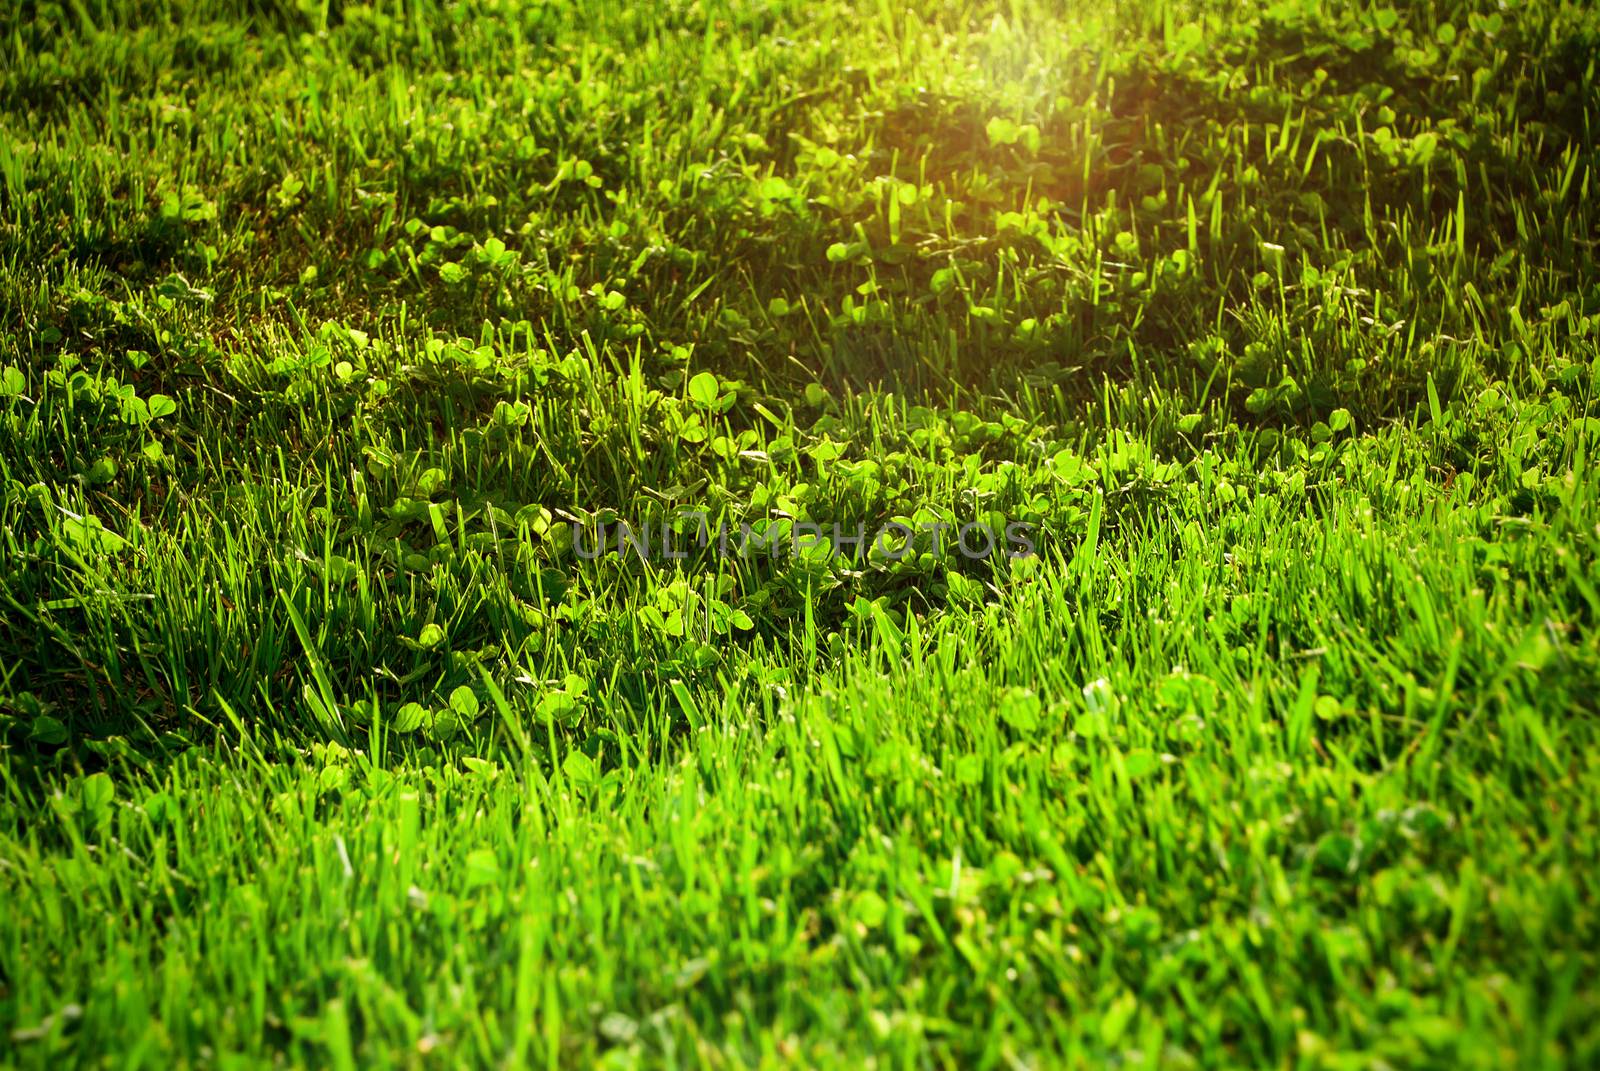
323, 744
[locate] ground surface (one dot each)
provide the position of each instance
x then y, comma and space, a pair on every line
319, 744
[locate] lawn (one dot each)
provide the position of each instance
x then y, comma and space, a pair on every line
799, 533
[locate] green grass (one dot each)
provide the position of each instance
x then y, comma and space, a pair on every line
320, 745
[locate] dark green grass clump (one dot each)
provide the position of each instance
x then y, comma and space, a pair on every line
323, 324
